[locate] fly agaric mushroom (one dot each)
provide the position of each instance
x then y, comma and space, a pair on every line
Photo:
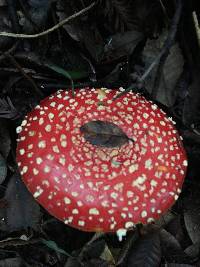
93, 187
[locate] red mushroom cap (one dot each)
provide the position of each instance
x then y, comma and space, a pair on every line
98, 188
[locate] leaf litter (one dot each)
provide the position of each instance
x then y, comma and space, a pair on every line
109, 45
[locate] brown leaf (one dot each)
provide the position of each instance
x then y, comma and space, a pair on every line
103, 133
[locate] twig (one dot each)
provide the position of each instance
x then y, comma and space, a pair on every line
16, 64
10, 51
18, 242
60, 24
196, 25
166, 48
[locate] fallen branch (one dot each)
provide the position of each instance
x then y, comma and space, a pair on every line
55, 27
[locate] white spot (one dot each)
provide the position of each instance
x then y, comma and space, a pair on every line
105, 203
30, 146
150, 220
162, 123
75, 211
118, 187
81, 223
114, 195
63, 136
38, 192
18, 129
136, 126
143, 214
148, 164
153, 183
24, 169
129, 225
47, 169
39, 160
22, 151
53, 104
42, 144
93, 211
45, 182
24, 122
56, 149
154, 106
35, 171
62, 161
185, 163
133, 168
50, 157
31, 133
74, 194
145, 115
41, 121
79, 203
130, 194
145, 126
59, 96
64, 144
139, 181
48, 128
51, 116
176, 197
60, 106
70, 167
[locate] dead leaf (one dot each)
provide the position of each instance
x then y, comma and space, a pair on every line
122, 44
22, 210
103, 133
3, 169
178, 265
146, 251
171, 249
5, 138
193, 251
171, 72
192, 216
165, 219
107, 255
11, 262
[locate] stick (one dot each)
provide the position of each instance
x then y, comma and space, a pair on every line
60, 24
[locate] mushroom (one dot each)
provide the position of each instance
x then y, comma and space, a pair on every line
98, 187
